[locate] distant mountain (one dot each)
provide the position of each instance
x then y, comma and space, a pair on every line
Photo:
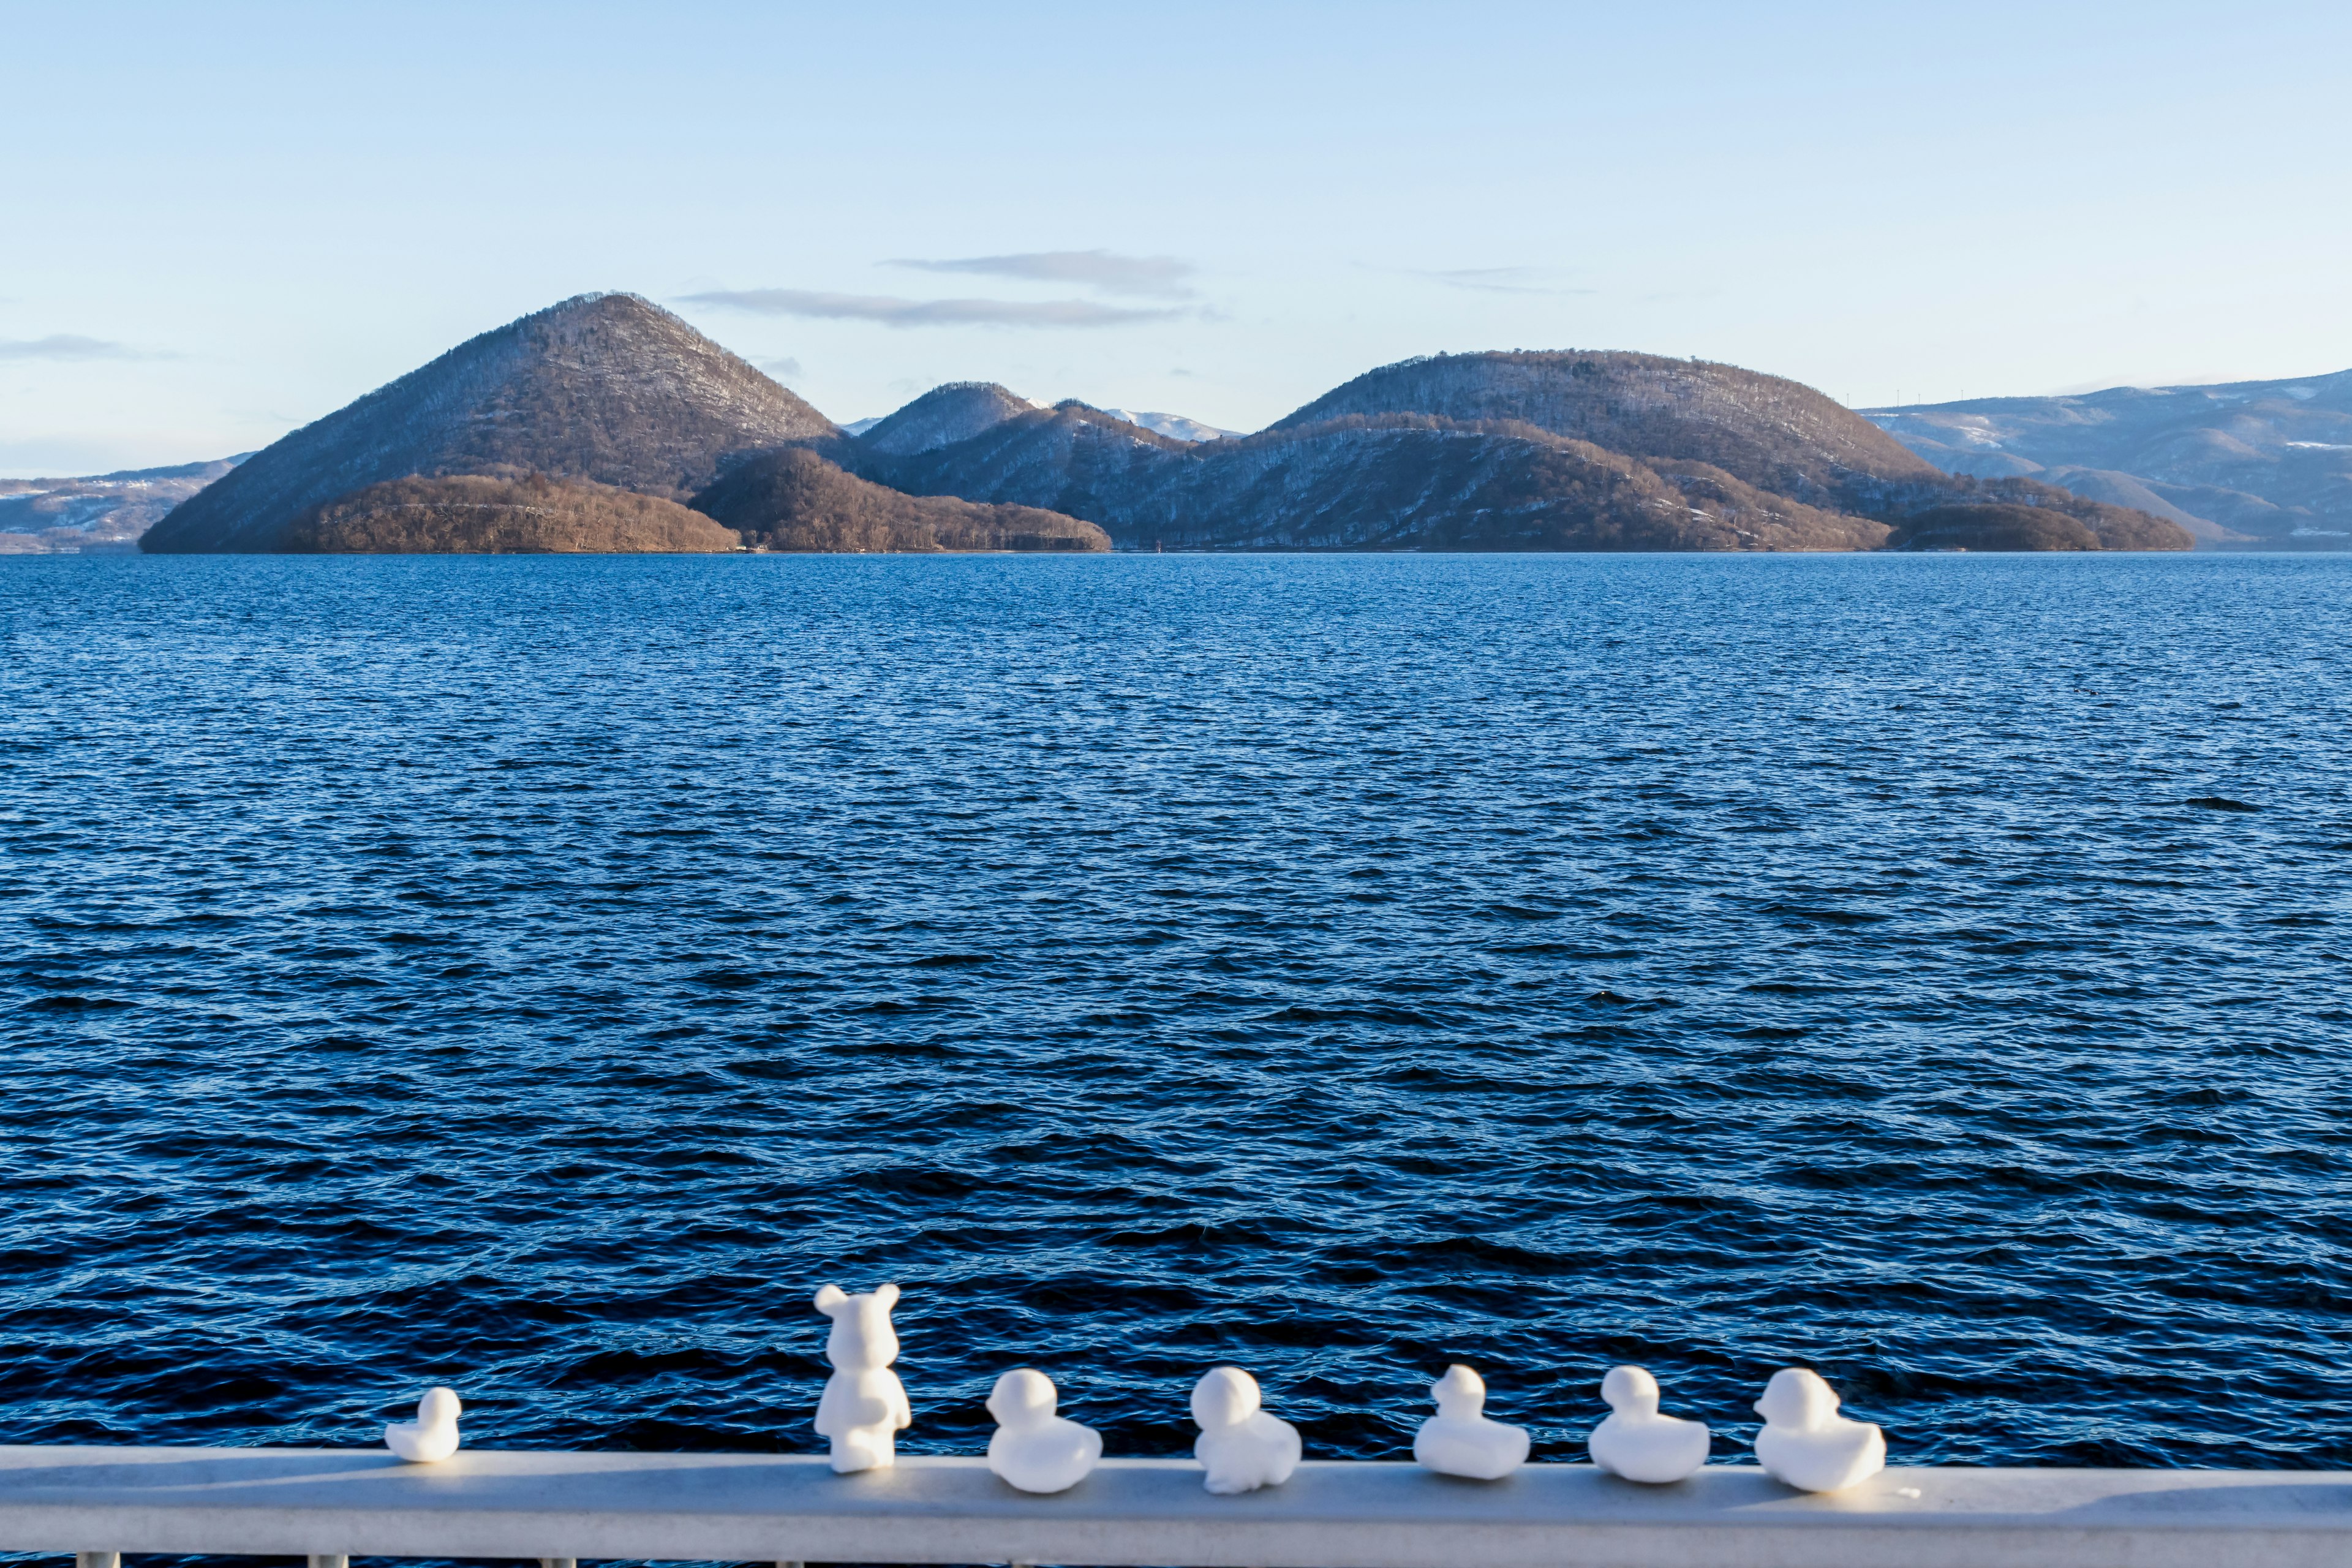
1517, 451
945, 415
98, 512
1175, 425
794, 499
2246, 463
960, 410
859, 426
604, 388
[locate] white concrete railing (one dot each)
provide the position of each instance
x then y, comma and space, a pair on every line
332, 1504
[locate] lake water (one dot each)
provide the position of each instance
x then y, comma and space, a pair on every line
539, 975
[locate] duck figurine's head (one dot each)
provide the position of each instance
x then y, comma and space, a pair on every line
433, 1436
1630, 1391
1022, 1399
1224, 1398
1799, 1400
1461, 1395
438, 1409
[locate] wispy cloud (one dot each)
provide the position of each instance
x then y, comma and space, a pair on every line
1137, 277
782, 369
1503, 279
69, 346
892, 311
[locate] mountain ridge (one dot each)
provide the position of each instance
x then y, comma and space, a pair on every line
1568, 449
1483, 451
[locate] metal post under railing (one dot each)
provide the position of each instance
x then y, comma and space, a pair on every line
98, 1560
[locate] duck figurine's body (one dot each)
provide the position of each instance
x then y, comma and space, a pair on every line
1806, 1444
1241, 1446
1459, 1440
1034, 1448
1635, 1441
865, 1405
433, 1436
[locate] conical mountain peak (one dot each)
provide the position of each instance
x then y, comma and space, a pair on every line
606, 388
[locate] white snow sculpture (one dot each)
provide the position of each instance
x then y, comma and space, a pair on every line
1241, 1446
1806, 1443
865, 1405
433, 1436
1034, 1448
1459, 1440
1635, 1441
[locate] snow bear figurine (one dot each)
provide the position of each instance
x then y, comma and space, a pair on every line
1034, 1448
1241, 1446
433, 1436
865, 1405
1806, 1444
1459, 1440
1635, 1441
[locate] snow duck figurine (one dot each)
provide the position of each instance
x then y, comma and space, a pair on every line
1034, 1448
865, 1405
1806, 1444
1635, 1441
433, 1436
1459, 1440
1241, 1446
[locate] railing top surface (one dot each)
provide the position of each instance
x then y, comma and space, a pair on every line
770, 1484
750, 1507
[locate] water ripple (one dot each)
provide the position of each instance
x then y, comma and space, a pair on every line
539, 975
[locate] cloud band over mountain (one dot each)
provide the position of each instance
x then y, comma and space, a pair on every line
893, 312
1139, 276
69, 346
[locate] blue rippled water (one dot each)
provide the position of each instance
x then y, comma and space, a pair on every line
537, 974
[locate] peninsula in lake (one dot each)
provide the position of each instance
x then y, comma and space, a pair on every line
607, 424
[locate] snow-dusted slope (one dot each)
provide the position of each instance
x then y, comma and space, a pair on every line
1768, 431
102, 512
2251, 460
1177, 426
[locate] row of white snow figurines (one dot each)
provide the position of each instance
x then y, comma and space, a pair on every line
1805, 1443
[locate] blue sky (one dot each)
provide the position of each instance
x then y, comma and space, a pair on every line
227, 220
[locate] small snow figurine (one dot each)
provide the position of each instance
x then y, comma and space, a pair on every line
1241, 1446
1459, 1440
1635, 1441
433, 1436
1806, 1443
864, 1403
1034, 1448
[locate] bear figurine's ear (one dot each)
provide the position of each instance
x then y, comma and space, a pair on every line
829, 1300
888, 1295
